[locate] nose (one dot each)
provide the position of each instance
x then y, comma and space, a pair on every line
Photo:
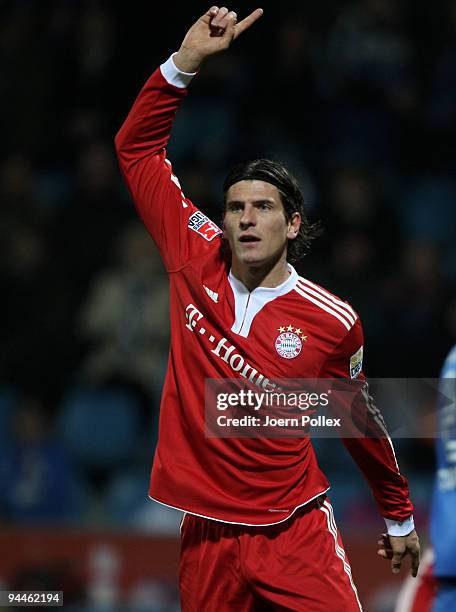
248, 217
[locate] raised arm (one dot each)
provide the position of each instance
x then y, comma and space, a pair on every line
180, 231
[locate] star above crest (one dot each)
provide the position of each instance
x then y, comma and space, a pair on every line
295, 330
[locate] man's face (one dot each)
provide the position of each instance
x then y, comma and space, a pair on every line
255, 224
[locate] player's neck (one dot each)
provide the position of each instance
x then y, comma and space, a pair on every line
253, 277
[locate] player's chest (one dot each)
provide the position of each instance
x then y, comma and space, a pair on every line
272, 331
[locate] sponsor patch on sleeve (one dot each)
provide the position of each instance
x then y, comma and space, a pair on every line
356, 363
202, 225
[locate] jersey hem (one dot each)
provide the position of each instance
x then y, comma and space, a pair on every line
212, 518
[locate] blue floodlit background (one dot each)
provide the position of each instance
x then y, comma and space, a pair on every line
358, 98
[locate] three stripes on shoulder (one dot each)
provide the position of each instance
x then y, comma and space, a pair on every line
326, 301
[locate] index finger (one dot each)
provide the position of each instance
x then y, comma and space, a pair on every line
247, 22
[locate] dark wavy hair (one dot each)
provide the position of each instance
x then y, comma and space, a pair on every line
292, 197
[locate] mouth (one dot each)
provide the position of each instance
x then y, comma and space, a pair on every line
248, 238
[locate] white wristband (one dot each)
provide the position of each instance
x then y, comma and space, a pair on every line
174, 76
400, 529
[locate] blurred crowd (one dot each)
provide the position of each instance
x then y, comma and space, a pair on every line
358, 98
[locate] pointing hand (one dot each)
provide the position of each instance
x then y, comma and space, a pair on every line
212, 33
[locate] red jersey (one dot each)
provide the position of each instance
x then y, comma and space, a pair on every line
219, 329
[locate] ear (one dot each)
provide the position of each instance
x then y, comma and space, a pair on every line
293, 226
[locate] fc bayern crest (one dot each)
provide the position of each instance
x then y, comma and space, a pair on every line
289, 342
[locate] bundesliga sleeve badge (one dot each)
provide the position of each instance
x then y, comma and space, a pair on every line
288, 343
202, 225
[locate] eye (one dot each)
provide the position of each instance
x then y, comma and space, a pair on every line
235, 207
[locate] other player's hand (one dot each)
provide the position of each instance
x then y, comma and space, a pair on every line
397, 548
213, 32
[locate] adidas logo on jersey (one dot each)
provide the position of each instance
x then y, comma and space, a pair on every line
212, 294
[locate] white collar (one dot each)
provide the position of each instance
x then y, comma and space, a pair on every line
268, 292
248, 304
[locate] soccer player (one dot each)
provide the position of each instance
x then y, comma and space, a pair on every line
443, 525
258, 530
435, 588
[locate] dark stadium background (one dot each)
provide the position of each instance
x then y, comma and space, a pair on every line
359, 99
